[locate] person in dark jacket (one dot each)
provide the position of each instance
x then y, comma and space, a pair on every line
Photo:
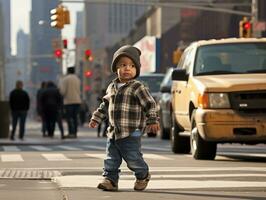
51, 103
19, 102
39, 107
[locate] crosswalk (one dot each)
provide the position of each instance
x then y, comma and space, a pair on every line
13, 157
180, 178
17, 148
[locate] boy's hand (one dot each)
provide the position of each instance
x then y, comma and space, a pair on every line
93, 124
153, 128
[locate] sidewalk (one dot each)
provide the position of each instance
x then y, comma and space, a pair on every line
33, 135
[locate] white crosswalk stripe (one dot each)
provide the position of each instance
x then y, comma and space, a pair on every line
146, 156
179, 178
11, 158
56, 157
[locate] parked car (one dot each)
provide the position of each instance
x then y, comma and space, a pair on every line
165, 105
219, 95
153, 82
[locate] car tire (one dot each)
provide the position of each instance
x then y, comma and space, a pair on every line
179, 144
201, 149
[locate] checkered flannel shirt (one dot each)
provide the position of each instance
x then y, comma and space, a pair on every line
130, 107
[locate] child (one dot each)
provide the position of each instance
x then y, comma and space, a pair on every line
130, 108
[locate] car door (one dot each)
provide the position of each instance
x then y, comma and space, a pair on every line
182, 91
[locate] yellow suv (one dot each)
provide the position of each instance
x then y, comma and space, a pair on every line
219, 96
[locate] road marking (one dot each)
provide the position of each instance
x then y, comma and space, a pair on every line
242, 154
156, 157
127, 182
155, 148
40, 148
56, 157
96, 155
147, 156
11, 158
11, 148
65, 147
94, 147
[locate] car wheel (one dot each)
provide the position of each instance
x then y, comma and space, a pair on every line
201, 149
179, 144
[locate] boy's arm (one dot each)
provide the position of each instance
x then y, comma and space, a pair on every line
148, 104
100, 113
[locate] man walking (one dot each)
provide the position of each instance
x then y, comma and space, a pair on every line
19, 102
70, 90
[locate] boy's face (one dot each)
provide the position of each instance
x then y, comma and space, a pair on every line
126, 69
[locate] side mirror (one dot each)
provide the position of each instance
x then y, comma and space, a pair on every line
165, 89
179, 75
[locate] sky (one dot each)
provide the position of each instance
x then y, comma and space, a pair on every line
20, 19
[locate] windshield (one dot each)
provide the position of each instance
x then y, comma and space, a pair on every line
231, 58
152, 82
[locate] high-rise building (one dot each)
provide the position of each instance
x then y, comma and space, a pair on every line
44, 65
5, 49
109, 22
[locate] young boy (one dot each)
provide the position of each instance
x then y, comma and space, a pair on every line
131, 109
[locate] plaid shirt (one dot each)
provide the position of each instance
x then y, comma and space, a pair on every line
130, 107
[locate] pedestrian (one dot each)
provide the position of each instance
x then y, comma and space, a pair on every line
51, 103
131, 109
39, 108
19, 102
70, 90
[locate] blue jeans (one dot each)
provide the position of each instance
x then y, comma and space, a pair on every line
129, 149
72, 111
20, 116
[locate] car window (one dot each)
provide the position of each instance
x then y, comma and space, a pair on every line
152, 82
186, 60
231, 58
167, 81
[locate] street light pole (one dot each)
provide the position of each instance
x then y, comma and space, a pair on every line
254, 18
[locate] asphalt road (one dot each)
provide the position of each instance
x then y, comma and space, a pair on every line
75, 168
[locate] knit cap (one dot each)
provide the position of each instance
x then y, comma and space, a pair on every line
129, 51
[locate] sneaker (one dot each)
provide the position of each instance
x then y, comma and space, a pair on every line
142, 184
107, 185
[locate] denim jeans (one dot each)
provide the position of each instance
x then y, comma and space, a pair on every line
20, 116
72, 111
129, 149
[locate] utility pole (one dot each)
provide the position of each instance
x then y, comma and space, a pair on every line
254, 18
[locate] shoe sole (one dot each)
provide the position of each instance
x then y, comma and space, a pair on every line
102, 187
147, 181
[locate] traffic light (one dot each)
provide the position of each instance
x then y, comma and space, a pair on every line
65, 43
58, 53
245, 28
59, 17
87, 54
88, 74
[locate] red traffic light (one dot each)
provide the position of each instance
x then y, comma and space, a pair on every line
65, 43
247, 25
88, 53
88, 73
58, 53
87, 88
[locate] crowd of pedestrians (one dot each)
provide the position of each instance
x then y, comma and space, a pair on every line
53, 103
